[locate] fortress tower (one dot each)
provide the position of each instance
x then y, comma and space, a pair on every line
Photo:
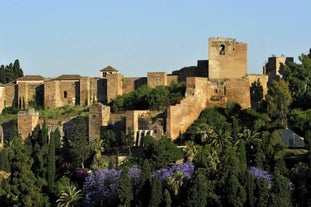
275, 66
227, 58
112, 83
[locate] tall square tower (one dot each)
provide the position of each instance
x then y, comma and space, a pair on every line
227, 58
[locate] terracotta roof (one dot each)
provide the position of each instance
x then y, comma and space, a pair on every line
31, 78
109, 69
68, 77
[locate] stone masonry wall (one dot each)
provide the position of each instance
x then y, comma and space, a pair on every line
182, 115
114, 86
2, 98
227, 58
130, 84
27, 91
59, 93
10, 95
237, 90
26, 122
156, 78
172, 78
98, 116
51, 94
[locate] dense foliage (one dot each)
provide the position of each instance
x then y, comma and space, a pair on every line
144, 97
10, 72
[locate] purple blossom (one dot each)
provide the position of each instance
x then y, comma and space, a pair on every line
260, 174
186, 168
101, 186
134, 173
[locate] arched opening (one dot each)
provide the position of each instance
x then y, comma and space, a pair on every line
222, 48
65, 94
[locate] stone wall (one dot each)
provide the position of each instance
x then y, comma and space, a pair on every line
156, 79
275, 66
182, 115
26, 122
237, 90
10, 95
130, 84
1, 137
28, 91
227, 58
59, 93
114, 86
2, 98
99, 116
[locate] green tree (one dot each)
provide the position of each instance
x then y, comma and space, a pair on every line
278, 101
197, 192
22, 183
175, 181
51, 163
161, 153
298, 77
125, 191
80, 149
167, 200
233, 192
280, 192
158, 98
156, 192
4, 159
144, 185
250, 188
70, 197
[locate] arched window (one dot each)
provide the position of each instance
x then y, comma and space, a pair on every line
222, 49
65, 94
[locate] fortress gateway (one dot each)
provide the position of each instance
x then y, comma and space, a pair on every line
213, 82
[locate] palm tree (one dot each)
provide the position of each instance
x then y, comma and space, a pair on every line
191, 150
221, 139
249, 137
205, 131
70, 197
175, 181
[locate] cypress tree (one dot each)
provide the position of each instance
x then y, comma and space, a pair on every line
197, 191
51, 163
167, 200
156, 192
144, 184
23, 184
4, 160
125, 191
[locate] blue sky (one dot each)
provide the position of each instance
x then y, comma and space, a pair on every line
57, 37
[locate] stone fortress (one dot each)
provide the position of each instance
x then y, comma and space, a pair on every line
221, 79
